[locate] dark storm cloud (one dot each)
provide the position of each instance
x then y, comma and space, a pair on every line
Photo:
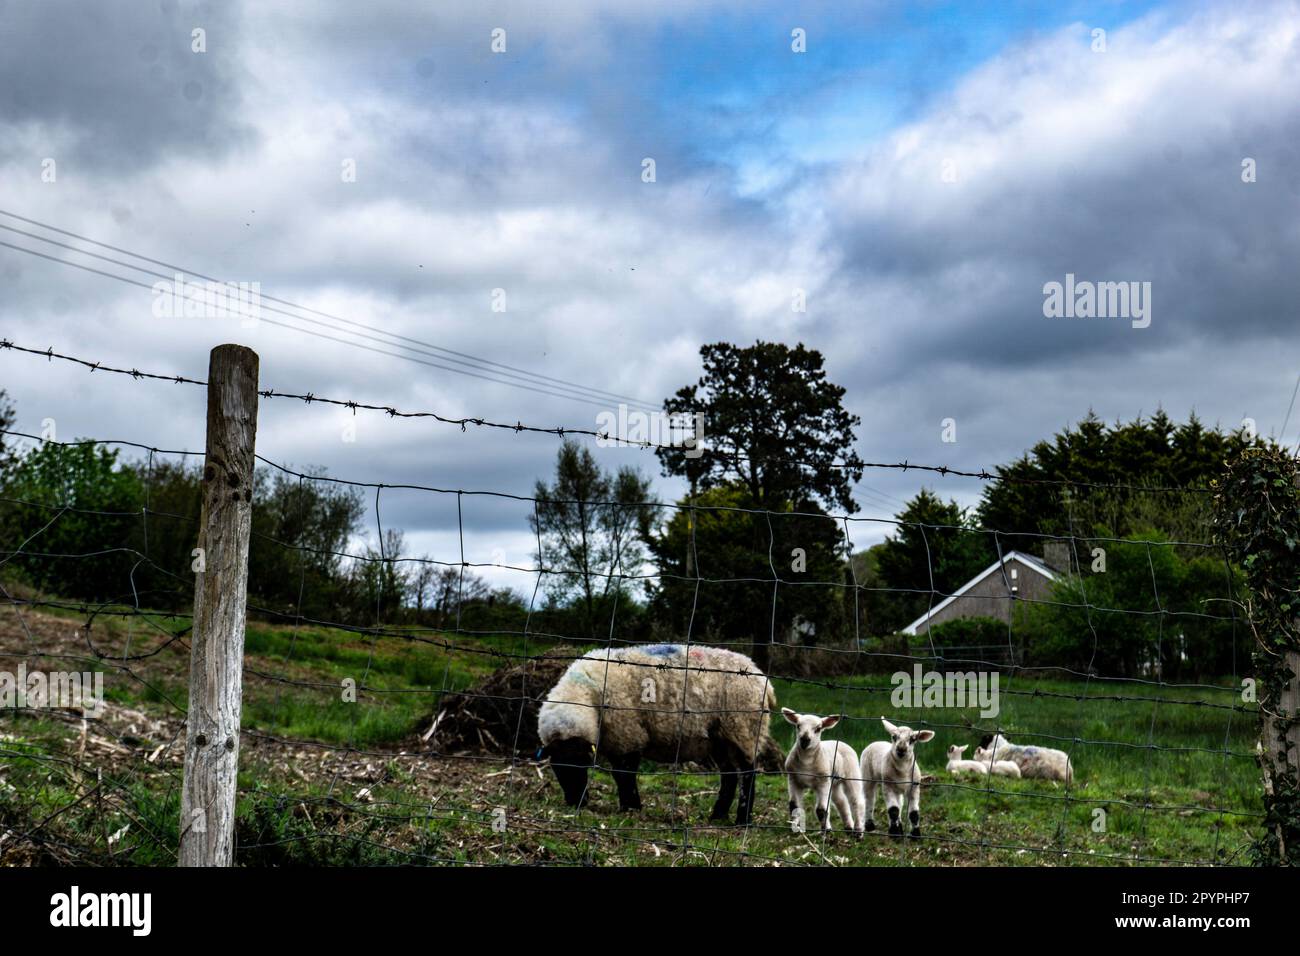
120, 78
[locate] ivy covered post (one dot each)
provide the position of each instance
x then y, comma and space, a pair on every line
1257, 515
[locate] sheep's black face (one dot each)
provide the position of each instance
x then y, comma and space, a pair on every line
570, 760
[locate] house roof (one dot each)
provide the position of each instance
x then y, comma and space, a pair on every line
1028, 560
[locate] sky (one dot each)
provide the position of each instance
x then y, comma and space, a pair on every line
917, 173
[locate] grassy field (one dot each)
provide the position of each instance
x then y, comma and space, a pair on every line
328, 782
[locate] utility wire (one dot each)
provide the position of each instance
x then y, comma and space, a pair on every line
451, 355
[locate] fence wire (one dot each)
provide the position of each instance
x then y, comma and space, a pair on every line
380, 785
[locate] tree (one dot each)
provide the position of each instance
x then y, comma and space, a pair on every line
8, 453
1143, 452
591, 526
934, 551
772, 423
720, 559
379, 581
440, 590
1157, 611
78, 516
301, 531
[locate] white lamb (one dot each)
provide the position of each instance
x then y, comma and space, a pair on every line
956, 765
1042, 762
892, 765
829, 768
999, 768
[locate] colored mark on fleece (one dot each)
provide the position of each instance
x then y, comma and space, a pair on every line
662, 650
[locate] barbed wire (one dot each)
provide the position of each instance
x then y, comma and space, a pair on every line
400, 809
983, 474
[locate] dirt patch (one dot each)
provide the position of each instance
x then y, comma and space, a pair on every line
499, 714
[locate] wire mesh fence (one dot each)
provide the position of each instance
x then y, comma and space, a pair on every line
404, 733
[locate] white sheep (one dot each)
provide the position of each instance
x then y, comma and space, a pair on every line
829, 768
892, 764
661, 702
956, 765
1041, 762
999, 768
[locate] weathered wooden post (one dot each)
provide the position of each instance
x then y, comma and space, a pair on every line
217, 639
1258, 515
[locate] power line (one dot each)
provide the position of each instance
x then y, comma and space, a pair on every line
321, 335
451, 355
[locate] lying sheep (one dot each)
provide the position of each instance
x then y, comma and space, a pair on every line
829, 768
1041, 762
661, 702
957, 765
892, 764
999, 768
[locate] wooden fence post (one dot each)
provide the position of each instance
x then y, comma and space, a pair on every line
217, 639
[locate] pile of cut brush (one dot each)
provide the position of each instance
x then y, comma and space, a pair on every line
499, 715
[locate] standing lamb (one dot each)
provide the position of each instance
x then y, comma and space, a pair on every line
957, 765
999, 768
661, 702
829, 768
892, 764
1042, 762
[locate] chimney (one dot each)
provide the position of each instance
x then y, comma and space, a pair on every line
1057, 555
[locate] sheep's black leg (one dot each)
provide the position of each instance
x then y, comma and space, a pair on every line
895, 826
746, 809
915, 818
725, 759
624, 769
726, 794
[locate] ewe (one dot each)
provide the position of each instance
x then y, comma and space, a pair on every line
660, 702
1042, 762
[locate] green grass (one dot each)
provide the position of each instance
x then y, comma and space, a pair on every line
1152, 758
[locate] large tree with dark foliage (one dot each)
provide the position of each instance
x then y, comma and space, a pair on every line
1146, 452
772, 422
733, 577
935, 549
777, 445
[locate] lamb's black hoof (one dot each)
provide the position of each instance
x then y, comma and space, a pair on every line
916, 832
871, 825
742, 821
896, 832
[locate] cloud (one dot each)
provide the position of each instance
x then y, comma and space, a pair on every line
116, 85
477, 172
